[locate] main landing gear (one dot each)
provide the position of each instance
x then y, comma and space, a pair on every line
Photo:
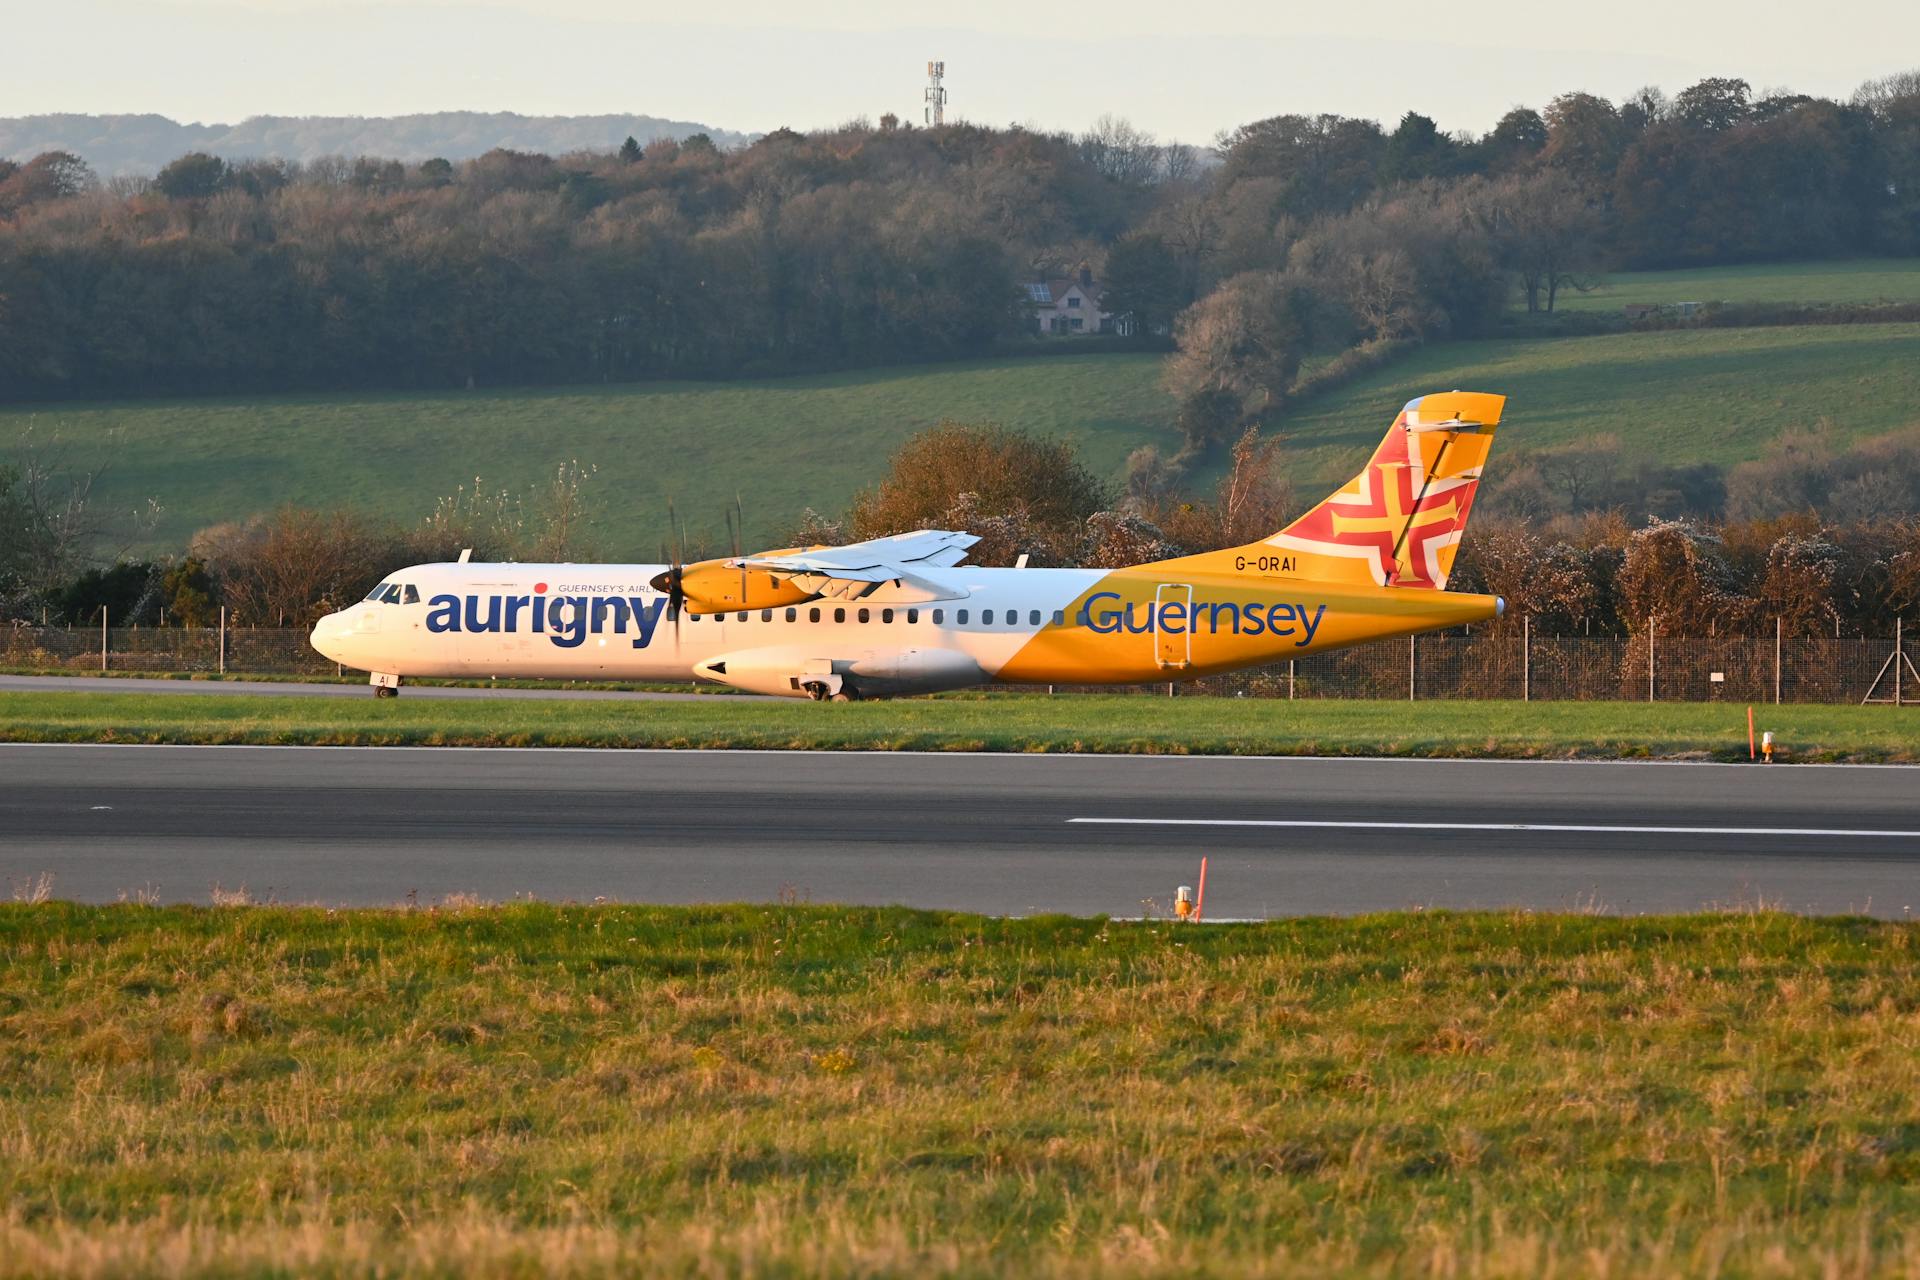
384, 685
821, 691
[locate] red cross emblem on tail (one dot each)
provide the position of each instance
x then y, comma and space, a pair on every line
1396, 515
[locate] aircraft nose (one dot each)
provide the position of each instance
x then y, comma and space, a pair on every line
330, 636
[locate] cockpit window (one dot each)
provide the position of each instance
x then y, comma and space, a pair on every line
410, 594
378, 591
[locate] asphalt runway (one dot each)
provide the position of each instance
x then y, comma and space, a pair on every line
994, 833
298, 689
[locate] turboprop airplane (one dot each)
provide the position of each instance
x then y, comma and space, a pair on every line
907, 615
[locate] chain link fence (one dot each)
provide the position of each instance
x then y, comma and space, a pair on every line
1508, 664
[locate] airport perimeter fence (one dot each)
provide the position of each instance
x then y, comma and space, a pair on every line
1511, 663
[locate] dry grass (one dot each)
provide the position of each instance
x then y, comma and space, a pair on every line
793, 1090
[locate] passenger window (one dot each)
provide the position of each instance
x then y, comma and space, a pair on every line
410, 594
913, 615
693, 617
1059, 617
766, 615
986, 618
886, 615
939, 616
839, 615
743, 616
961, 617
813, 615
793, 615
1033, 619
865, 616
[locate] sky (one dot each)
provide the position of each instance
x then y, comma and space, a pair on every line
1182, 71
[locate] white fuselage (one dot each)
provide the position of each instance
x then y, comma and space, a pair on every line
606, 621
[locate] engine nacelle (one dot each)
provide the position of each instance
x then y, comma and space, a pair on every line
715, 586
795, 672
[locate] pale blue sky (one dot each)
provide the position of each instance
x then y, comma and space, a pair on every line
1182, 70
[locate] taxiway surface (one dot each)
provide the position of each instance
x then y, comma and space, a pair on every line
995, 833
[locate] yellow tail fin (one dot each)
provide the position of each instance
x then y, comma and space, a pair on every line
1398, 523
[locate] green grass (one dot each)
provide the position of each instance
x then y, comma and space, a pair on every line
1109, 723
787, 1091
1857, 280
1696, 395
782, 444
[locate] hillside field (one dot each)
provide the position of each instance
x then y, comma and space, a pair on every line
1714, 395
1850, 280
785, 1090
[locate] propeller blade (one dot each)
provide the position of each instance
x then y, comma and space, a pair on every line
739, 529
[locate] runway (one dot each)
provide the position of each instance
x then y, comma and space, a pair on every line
303, 689
993, 833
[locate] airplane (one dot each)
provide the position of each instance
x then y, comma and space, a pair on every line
906, 615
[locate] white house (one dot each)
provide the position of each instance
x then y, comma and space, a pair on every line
1070, 305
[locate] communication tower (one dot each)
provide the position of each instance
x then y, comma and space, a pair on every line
936, 95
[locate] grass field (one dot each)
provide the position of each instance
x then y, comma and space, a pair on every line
786, 1091
783, 445
1857, 280
1116, 723
1700, 395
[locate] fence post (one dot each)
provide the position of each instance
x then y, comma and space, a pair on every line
1776, 661
1290, 679
1410, 668
223, 639
1899, 656
103, 637
1526, 658
1651, 631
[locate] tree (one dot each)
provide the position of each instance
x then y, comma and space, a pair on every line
1584, 135
630, 151
1118, 151
1324, 164
194, 176
51, 175
1239, 349
1038, 485
1417, 149
1516, 140
1714, 104
1144, 283
1547, 230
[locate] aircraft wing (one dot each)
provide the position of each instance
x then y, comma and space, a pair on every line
875, 560
857, 569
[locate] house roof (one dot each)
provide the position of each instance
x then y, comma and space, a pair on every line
1053, 292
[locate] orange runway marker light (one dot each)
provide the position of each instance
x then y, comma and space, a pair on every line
1183, 902
1200, 899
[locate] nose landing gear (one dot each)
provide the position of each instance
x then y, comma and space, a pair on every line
384, 685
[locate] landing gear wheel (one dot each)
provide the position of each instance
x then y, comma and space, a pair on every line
385, 691
842, 696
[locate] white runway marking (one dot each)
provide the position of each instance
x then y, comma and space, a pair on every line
1328, 824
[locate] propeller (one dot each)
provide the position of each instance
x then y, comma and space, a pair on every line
673, 581
736, 522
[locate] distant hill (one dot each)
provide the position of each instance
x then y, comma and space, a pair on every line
141, 144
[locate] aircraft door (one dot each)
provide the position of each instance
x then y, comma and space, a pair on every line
1173, 637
